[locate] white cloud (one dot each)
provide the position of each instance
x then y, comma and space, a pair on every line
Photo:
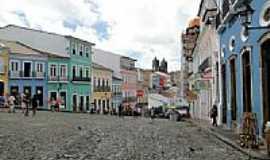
150, 27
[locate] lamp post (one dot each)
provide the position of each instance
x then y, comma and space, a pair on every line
246, 13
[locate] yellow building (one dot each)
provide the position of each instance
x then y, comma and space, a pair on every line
4, 58
102, 85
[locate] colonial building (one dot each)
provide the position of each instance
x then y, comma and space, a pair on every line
204, 79
189, 38
4, 60
245, 47
116, 93
112, 61
102, 85
70, 76
27, 71
129, 86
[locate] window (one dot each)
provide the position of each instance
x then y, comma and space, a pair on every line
81, 72
81, 50
63, 70
14, 66
40, 67
74, 71
99, 82
87, 72
107, 83
53, 70
103, 83
73, 48
87, 51
2, 65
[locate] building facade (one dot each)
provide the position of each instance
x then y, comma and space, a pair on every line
116, 93
245, 44
102, 85
70, 77
204, 79
4, 60
27, 72
129, 86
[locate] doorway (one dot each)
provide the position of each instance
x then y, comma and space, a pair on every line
246, 82
63, 97
224, 94
81, 103
27, 66
2, 88
74, 102
27, 90
39, 93
233, 89
265, 64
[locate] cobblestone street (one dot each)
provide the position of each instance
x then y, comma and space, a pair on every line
83, 136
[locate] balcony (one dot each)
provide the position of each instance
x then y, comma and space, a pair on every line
102, 89
23, 75
81, 79
58, 78
129, 99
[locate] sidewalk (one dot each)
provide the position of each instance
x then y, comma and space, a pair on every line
232, 139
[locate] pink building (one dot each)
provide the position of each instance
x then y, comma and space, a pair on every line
129, 85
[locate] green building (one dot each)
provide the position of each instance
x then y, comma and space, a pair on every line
69, 71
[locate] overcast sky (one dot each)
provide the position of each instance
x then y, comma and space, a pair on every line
141, 29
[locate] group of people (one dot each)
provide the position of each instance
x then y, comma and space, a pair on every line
23, 100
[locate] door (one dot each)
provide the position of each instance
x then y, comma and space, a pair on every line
14, 90
233, 89
63, 97
265, 64
87, 103
2, 88
74, 102
27, 90
224, 94
246, 82
53, 96
27, 69
39, 93
81, 103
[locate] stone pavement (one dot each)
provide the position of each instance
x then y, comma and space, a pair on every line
66, 136
232, 139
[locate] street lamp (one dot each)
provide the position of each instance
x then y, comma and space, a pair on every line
245, 14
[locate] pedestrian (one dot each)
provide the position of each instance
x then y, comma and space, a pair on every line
58, 104
120, 107
34, 104
23, 105
27, 100
11, 103
214, 114
53, 103
152, 113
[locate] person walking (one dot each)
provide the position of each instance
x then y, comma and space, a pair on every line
34, 104
11, 103
120, 108
27, 100
23, 105
152, 113
53, 104
213, 115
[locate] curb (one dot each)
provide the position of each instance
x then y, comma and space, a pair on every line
233, 144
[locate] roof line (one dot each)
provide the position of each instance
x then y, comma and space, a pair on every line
46, 32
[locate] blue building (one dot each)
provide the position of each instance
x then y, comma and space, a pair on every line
27, 71
245, 60
116, 92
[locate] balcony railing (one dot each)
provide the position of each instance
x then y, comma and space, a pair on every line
58, 78
102, 89
81, 79
129, 99
21, 74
